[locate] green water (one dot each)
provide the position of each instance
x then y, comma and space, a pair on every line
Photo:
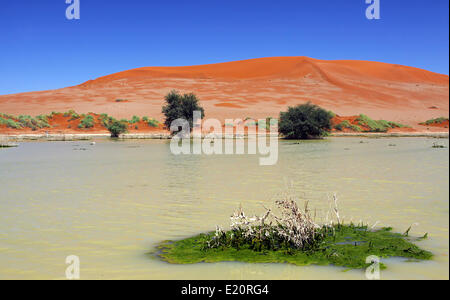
113, 202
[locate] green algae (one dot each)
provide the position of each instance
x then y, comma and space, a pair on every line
344, 245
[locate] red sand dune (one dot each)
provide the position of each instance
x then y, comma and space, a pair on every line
255, 88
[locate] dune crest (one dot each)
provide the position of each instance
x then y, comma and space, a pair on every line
281, 67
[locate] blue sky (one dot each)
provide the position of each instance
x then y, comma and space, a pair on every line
40, 49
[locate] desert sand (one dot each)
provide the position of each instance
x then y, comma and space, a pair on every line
256, 88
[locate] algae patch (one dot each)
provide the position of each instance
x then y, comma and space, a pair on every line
342, 245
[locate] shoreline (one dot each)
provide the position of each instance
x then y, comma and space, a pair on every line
394, 134
79, 136
160, 136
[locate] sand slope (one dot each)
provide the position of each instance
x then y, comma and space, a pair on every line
255, 88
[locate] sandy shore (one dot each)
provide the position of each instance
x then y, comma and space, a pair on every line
395, 134
80, 137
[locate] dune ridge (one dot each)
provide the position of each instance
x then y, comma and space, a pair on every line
282, 67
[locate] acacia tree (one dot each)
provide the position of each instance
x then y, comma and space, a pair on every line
305, 121
116, 128
181, 106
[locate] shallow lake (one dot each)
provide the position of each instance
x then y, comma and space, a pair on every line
111, 203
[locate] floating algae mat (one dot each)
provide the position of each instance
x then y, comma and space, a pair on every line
345, 245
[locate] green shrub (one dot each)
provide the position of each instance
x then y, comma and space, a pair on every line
6, 116
70, 113
87, 122
117, 127
181, 106
10, 123
373, 125
153, 123
105, 119
377, 126
338, 127
24, 121
305, 121
135, 119
436, 121
74, 116
398, 125
33, 123
44, 120
348, 125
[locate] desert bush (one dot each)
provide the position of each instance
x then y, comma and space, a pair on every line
74, 116
10, 123
71, 113
305, 121
339, 127
378, 126
397, 125
33, 123
373, 125
27, 121
24, 121
116, 127
348, 125
6, 116
135, 119
44, 120
105, 119
87, 122
153, 123
181, 106
435, 121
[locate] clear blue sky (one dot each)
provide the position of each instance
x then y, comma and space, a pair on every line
40, 49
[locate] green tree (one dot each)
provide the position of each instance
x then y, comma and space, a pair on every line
181, 106
305, 121
116, 128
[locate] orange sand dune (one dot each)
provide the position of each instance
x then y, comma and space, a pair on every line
255, 88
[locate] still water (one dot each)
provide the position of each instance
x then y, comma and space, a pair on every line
111, 203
